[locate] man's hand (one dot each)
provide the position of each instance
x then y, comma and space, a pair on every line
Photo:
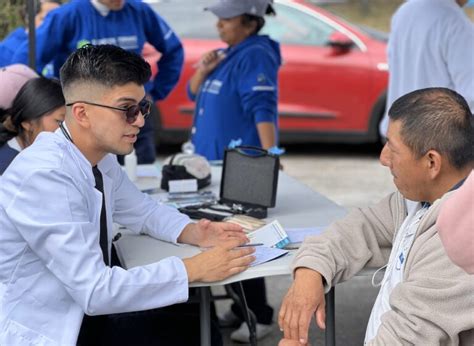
219, 262
304, 299
207, 234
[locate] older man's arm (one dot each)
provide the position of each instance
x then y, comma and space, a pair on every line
362, 238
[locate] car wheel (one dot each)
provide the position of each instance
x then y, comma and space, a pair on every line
378, 111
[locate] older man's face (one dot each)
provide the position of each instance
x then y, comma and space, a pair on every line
410, 174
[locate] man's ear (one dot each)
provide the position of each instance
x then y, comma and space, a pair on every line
434, 162
79, 113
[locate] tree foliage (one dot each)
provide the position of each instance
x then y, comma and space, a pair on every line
10, 17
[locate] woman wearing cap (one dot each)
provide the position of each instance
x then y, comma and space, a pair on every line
38, 106
235, 90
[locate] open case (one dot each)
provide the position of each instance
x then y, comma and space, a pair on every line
249, 180
248, 185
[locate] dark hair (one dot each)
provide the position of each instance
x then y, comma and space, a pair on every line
260, 21
438, 119
37, 98
107, 65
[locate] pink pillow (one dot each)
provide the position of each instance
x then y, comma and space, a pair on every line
456, 225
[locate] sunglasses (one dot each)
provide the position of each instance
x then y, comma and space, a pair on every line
131, 113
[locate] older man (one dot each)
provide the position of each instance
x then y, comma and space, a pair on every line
424, 298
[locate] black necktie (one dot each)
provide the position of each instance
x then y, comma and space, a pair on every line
99, 185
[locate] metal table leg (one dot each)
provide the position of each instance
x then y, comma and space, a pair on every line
330, 334
248, 314
205, 314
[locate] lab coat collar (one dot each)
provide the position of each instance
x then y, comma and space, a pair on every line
84, 164
105, 165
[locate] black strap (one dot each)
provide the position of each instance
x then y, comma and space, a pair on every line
64, 131
99, 185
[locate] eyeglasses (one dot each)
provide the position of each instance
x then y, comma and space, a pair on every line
131, 113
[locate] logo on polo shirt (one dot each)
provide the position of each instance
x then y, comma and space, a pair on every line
213, 87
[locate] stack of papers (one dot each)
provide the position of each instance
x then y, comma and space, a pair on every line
186, 199
268, 241
297, 235
271, 235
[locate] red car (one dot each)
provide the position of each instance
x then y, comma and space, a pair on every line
332, 85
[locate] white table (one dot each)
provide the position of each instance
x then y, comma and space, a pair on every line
296, 206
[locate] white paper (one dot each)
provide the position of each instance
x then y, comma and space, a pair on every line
264, 254
183, 185
297, 235
271, 235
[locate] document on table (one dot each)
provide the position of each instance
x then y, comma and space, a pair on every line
271, 235
264, 254
297, 235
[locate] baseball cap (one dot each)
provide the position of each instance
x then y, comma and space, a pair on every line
12, 78
233, 8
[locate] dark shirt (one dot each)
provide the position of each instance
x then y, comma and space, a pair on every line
7, 154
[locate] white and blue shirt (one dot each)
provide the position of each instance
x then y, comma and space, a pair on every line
431, 45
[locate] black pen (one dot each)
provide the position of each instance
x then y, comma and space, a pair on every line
250, 245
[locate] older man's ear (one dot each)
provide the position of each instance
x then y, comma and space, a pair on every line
435, 163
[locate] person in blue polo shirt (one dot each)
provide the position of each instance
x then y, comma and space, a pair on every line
236, 88
236, 94
124, 23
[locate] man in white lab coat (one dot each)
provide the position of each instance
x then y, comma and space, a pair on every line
56, 223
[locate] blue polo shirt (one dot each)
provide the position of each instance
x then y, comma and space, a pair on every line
78, 22
10, 44
240, 93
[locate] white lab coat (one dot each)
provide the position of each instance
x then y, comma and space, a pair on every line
431, 44
51, 265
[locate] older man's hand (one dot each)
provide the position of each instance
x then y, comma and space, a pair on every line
304, 299
288, 342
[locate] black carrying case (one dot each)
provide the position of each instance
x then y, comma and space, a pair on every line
248, 185
250, 179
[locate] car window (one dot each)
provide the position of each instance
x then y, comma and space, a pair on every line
292, 26
188, 18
